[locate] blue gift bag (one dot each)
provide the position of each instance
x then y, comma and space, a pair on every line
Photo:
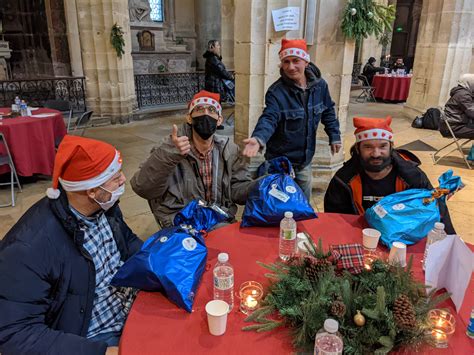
275, 194
409, 215
200, 216
171, 261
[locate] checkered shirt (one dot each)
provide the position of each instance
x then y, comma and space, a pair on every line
205, 169
111, 304
348, 257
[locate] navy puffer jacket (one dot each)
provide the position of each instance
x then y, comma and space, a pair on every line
47, 281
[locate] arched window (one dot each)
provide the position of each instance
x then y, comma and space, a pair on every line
156, 10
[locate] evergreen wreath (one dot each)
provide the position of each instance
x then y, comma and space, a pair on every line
378, 310
116, 39
362, 18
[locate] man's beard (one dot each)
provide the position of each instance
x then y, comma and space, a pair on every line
375, 168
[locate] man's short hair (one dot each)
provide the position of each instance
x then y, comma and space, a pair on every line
212, 43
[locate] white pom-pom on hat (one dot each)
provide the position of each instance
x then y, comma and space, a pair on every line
53, 193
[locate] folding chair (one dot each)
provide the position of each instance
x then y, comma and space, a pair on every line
63, 106
367, 93
229, 88
83, 122
457, 141
6, 159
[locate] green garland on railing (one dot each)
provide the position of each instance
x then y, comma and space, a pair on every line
363, 18
116, 39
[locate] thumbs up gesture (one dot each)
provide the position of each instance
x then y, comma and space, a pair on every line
181, 143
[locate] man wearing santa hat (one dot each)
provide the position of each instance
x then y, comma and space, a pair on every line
194, 163
294, 106
57, 261
375, 169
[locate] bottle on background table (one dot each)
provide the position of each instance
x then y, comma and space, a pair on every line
287, 236
470, 327
224, 280
23, 109
16, 107
328, 340
434, 235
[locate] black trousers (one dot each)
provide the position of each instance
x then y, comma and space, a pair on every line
460, 131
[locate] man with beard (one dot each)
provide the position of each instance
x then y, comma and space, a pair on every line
376, 169
194, 163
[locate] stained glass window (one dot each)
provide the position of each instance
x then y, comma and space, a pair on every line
156, 10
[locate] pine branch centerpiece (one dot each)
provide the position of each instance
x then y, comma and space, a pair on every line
378, 310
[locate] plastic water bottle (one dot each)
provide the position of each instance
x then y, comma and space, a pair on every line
23, 109
470, 327
287, 236
224, 280
328, 340
17, 104
434, 235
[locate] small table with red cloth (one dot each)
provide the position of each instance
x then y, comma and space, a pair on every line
391, 88
157, 326
31, 140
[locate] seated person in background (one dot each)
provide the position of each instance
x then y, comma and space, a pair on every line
398, 65
194, 163
57, 261
370, 70
459, 110
375, 169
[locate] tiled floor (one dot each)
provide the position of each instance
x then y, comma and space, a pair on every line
136, 139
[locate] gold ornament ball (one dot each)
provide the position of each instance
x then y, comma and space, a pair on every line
359, 319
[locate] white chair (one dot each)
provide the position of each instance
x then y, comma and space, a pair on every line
459, 142
6, 159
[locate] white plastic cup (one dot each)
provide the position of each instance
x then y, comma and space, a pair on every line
370, 238
302, 249
398, 254
217, 316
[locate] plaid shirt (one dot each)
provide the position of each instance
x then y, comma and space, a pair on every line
111, 304
205, 169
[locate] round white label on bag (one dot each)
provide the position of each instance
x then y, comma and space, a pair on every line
290, 189
398, 207
163, 239
189, 244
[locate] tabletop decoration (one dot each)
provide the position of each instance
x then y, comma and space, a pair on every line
380, 309
443, 325
251, 293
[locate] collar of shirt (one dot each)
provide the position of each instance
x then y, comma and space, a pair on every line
91, 221
202, 156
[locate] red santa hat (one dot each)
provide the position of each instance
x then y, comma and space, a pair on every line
205, 98
83, 163
294, 48
373, 128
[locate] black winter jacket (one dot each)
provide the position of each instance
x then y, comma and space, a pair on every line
215, 73
339, 196
459, 109
47, 281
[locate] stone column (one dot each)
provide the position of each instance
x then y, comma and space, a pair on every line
334, 55
227, 33
443, 52
256, 49
208, 26
73, 38
110, 89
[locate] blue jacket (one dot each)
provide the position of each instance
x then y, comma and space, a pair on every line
288, 127
47, 281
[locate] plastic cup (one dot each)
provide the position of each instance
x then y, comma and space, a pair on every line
398, 254
370, 238
217, 316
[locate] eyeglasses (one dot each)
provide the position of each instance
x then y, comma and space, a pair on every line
203, 108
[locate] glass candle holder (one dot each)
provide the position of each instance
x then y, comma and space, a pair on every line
369, 258
442, 324
251, 293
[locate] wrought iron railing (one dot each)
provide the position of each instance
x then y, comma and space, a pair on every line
169, 88
356, 70
36, 92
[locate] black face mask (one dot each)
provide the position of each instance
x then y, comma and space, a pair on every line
366, 164
205, 126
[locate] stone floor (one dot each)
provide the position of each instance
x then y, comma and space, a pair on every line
136, 139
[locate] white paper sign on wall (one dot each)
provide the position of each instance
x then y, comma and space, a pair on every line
286, 19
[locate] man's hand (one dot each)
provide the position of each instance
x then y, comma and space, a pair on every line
112, 350
251, 147
335, 148
181, 143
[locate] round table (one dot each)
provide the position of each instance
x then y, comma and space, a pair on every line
31, 140
391, 88
155, 325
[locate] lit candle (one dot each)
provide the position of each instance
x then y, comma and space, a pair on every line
251, 293
443, 325
251, 302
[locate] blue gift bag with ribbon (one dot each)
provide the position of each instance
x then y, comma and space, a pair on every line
275, 194
200, 215
409, 215
171, 261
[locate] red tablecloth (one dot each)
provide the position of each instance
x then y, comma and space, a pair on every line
32, 141
156, 326
393, 88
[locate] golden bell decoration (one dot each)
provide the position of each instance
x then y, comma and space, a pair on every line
359, 319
